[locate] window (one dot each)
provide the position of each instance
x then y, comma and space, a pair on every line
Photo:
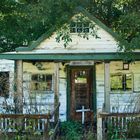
78, 27
121, 82
81, 77
41, 82
4, 84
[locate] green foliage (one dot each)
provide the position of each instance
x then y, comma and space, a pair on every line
64, 35
19, 131
134, 128
89, 135
130, 128
24, 21
71, 130
115, 133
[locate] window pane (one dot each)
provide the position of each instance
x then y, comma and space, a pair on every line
128, 81
80, 77
116, 82
79, 30
73, 30
121, 82
41, 82
79, 27
48, 77
35, 77
73, 27
41, 77
86, 30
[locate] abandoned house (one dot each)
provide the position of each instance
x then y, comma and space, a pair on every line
84, 76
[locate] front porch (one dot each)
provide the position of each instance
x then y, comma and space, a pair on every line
35, 100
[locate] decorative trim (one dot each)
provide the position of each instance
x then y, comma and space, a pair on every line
81, 63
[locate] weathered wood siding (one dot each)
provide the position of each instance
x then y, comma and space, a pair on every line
127, 101
48, 97
122, 102
105, 43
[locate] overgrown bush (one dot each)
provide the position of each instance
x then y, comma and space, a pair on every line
134, 128
73, 130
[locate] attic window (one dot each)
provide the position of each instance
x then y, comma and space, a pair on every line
79, 27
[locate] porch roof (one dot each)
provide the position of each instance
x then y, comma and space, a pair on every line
69, 56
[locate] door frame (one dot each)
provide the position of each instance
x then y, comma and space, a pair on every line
94, 100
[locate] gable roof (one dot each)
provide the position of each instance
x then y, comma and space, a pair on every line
46, 35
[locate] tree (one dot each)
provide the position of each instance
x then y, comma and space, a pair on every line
128, 25
22, 21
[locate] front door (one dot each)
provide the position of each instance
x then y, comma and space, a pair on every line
81, 93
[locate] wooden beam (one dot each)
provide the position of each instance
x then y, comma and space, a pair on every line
99, 126
107, 86
56, 90
18, 97
29, 116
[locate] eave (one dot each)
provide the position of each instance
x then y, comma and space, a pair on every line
71, 57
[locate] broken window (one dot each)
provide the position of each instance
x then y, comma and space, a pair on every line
41, 82
4, 84
121, 82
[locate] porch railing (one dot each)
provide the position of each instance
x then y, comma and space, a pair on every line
118, 126
30, 124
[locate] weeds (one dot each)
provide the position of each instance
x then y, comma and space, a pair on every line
72, 130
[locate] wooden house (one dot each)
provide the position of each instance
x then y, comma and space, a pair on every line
86, 75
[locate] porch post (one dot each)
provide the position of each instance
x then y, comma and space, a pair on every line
107, 86
56, 90
18, 97
99, 126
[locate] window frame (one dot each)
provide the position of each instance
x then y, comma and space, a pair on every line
82, 27
119, 91
39, 81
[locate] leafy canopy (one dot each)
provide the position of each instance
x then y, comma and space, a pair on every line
23, 21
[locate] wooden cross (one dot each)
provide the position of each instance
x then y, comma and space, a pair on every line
83, 110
